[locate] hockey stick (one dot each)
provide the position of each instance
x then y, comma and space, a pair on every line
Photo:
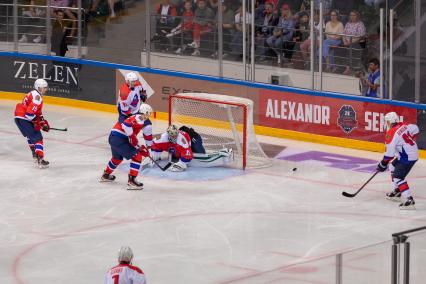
158, 165
354, 194
58, 129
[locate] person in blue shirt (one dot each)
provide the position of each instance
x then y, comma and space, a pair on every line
373, 79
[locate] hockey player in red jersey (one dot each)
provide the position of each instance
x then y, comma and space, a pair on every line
124, 144
29, 119
125, 272
130, 97
401, 147
186, 145
176, 142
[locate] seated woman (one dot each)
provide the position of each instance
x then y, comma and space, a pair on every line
333, 30
355, 34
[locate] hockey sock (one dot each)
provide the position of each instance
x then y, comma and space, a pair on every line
39, 150
394, 181
112, 165
30, 145
403, 188
135, 164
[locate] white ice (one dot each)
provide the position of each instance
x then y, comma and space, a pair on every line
60, 225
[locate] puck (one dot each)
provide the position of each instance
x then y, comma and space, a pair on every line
294, 169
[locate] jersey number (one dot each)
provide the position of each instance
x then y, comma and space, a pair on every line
408, 139
116, 277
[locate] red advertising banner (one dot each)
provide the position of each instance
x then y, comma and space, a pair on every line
328, 116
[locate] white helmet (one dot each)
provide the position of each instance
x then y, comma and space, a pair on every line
125, 254
173, 133
145, 109
392, 117
131, 77
40, 83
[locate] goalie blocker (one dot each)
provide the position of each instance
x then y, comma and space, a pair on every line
186, 148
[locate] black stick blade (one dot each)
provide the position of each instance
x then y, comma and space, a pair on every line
344, 193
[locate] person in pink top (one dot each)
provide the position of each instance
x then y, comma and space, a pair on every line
125, 272
355, 34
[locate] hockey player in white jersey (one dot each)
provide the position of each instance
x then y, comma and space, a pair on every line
125, 272
401, 147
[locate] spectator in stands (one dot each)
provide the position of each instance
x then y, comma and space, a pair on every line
302, 28
181, 35
203, 20
333, 30
373, 79
62, 5
305, 5
214, 5
281, 40
264, 28
165, 22
59, 34
227, 28
354, 35
237, 40
305, 47
95, 4
31, 21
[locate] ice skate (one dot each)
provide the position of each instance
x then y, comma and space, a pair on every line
395, 195
408, 204
133, 184
42, 163
34, 155
106, 177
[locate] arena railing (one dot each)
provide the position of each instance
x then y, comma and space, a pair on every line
35, 21
397, 260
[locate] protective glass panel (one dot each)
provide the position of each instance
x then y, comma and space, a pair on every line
114, 30
417, 257
404, 39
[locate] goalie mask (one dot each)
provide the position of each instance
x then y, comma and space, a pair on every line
125, 254
173, 133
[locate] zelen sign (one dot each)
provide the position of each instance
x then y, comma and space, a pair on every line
327, 116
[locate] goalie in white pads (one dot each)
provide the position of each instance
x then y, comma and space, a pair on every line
186, 145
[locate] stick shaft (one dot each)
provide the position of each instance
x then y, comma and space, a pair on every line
58, 129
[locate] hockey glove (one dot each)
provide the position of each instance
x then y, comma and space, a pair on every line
382, 166
44, 124
143, 96
133, 140
36, 123
144, 151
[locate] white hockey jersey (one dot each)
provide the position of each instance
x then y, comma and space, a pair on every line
125, 274
401, 142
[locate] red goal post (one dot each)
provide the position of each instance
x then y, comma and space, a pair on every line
223, 122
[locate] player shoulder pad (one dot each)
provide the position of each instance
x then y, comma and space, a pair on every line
413, 129
136, 269
124, 91
37, 99
391, 133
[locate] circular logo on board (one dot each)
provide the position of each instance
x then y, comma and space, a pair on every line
347, 119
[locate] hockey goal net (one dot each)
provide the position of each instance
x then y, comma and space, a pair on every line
223, 122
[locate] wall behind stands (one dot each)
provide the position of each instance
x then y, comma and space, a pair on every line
337, 119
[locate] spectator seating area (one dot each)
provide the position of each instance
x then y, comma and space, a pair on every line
189, 27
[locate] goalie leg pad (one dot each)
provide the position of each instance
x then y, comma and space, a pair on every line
179, 166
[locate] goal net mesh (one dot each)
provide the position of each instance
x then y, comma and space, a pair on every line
223, 122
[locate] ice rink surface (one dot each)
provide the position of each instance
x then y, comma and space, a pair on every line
216, 226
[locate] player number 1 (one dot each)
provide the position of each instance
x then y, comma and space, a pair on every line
116, 277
